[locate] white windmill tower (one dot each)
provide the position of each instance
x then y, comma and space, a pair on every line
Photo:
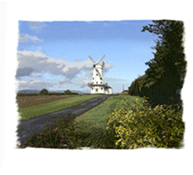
97, 85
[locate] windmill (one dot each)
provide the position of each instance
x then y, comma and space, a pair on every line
97, 85
94, 64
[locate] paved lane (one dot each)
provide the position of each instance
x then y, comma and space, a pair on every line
30, 126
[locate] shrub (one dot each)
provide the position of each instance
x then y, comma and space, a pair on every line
44, 92
50, 138
161, 127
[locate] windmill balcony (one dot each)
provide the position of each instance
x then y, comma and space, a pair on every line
95, 84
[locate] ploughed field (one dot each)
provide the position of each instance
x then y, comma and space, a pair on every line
32, 106
28, 101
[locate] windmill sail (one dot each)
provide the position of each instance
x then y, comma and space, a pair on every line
90, 59
100, 58
88, 72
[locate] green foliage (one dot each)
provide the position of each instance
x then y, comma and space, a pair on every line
167, 69
134, 88
50, 138
137, 84
66, 133
168, 65
161, 127
68, 92
142, 80
44, 92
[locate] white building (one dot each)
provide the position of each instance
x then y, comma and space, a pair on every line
97, 85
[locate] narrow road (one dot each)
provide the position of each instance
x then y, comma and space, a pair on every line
27, 128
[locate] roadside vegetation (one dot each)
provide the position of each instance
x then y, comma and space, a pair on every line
120, 122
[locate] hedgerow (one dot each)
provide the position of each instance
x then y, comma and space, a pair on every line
136, 127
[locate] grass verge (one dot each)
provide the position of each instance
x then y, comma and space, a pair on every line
98, 116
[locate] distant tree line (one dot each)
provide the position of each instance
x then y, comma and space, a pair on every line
68, 92
164, 78
46, 92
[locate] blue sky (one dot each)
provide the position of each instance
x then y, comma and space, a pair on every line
53, 55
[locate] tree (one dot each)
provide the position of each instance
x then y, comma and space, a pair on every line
169, 62
67, 92
44, 92
168, 67
134, 88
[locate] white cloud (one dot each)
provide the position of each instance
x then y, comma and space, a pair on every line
33, 84
27, 38
108, 79
79, 81
78, 59
33, 63
39, 61
36, 75
37, 26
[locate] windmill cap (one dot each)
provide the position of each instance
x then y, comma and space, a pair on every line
108, 87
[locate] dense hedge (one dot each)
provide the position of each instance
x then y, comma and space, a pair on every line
134, 88
137, 84
158, 94
161, 127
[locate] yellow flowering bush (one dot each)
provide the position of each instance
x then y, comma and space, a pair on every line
136, 127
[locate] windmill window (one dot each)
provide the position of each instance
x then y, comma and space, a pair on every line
101, 78
93, 78
101, 88
97, 82
101, 82
92, 88
96, 74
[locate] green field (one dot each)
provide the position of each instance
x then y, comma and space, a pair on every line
45, 108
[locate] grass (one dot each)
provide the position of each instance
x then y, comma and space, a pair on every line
49, 107
98, 116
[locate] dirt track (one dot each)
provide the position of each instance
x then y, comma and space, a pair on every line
30, 126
